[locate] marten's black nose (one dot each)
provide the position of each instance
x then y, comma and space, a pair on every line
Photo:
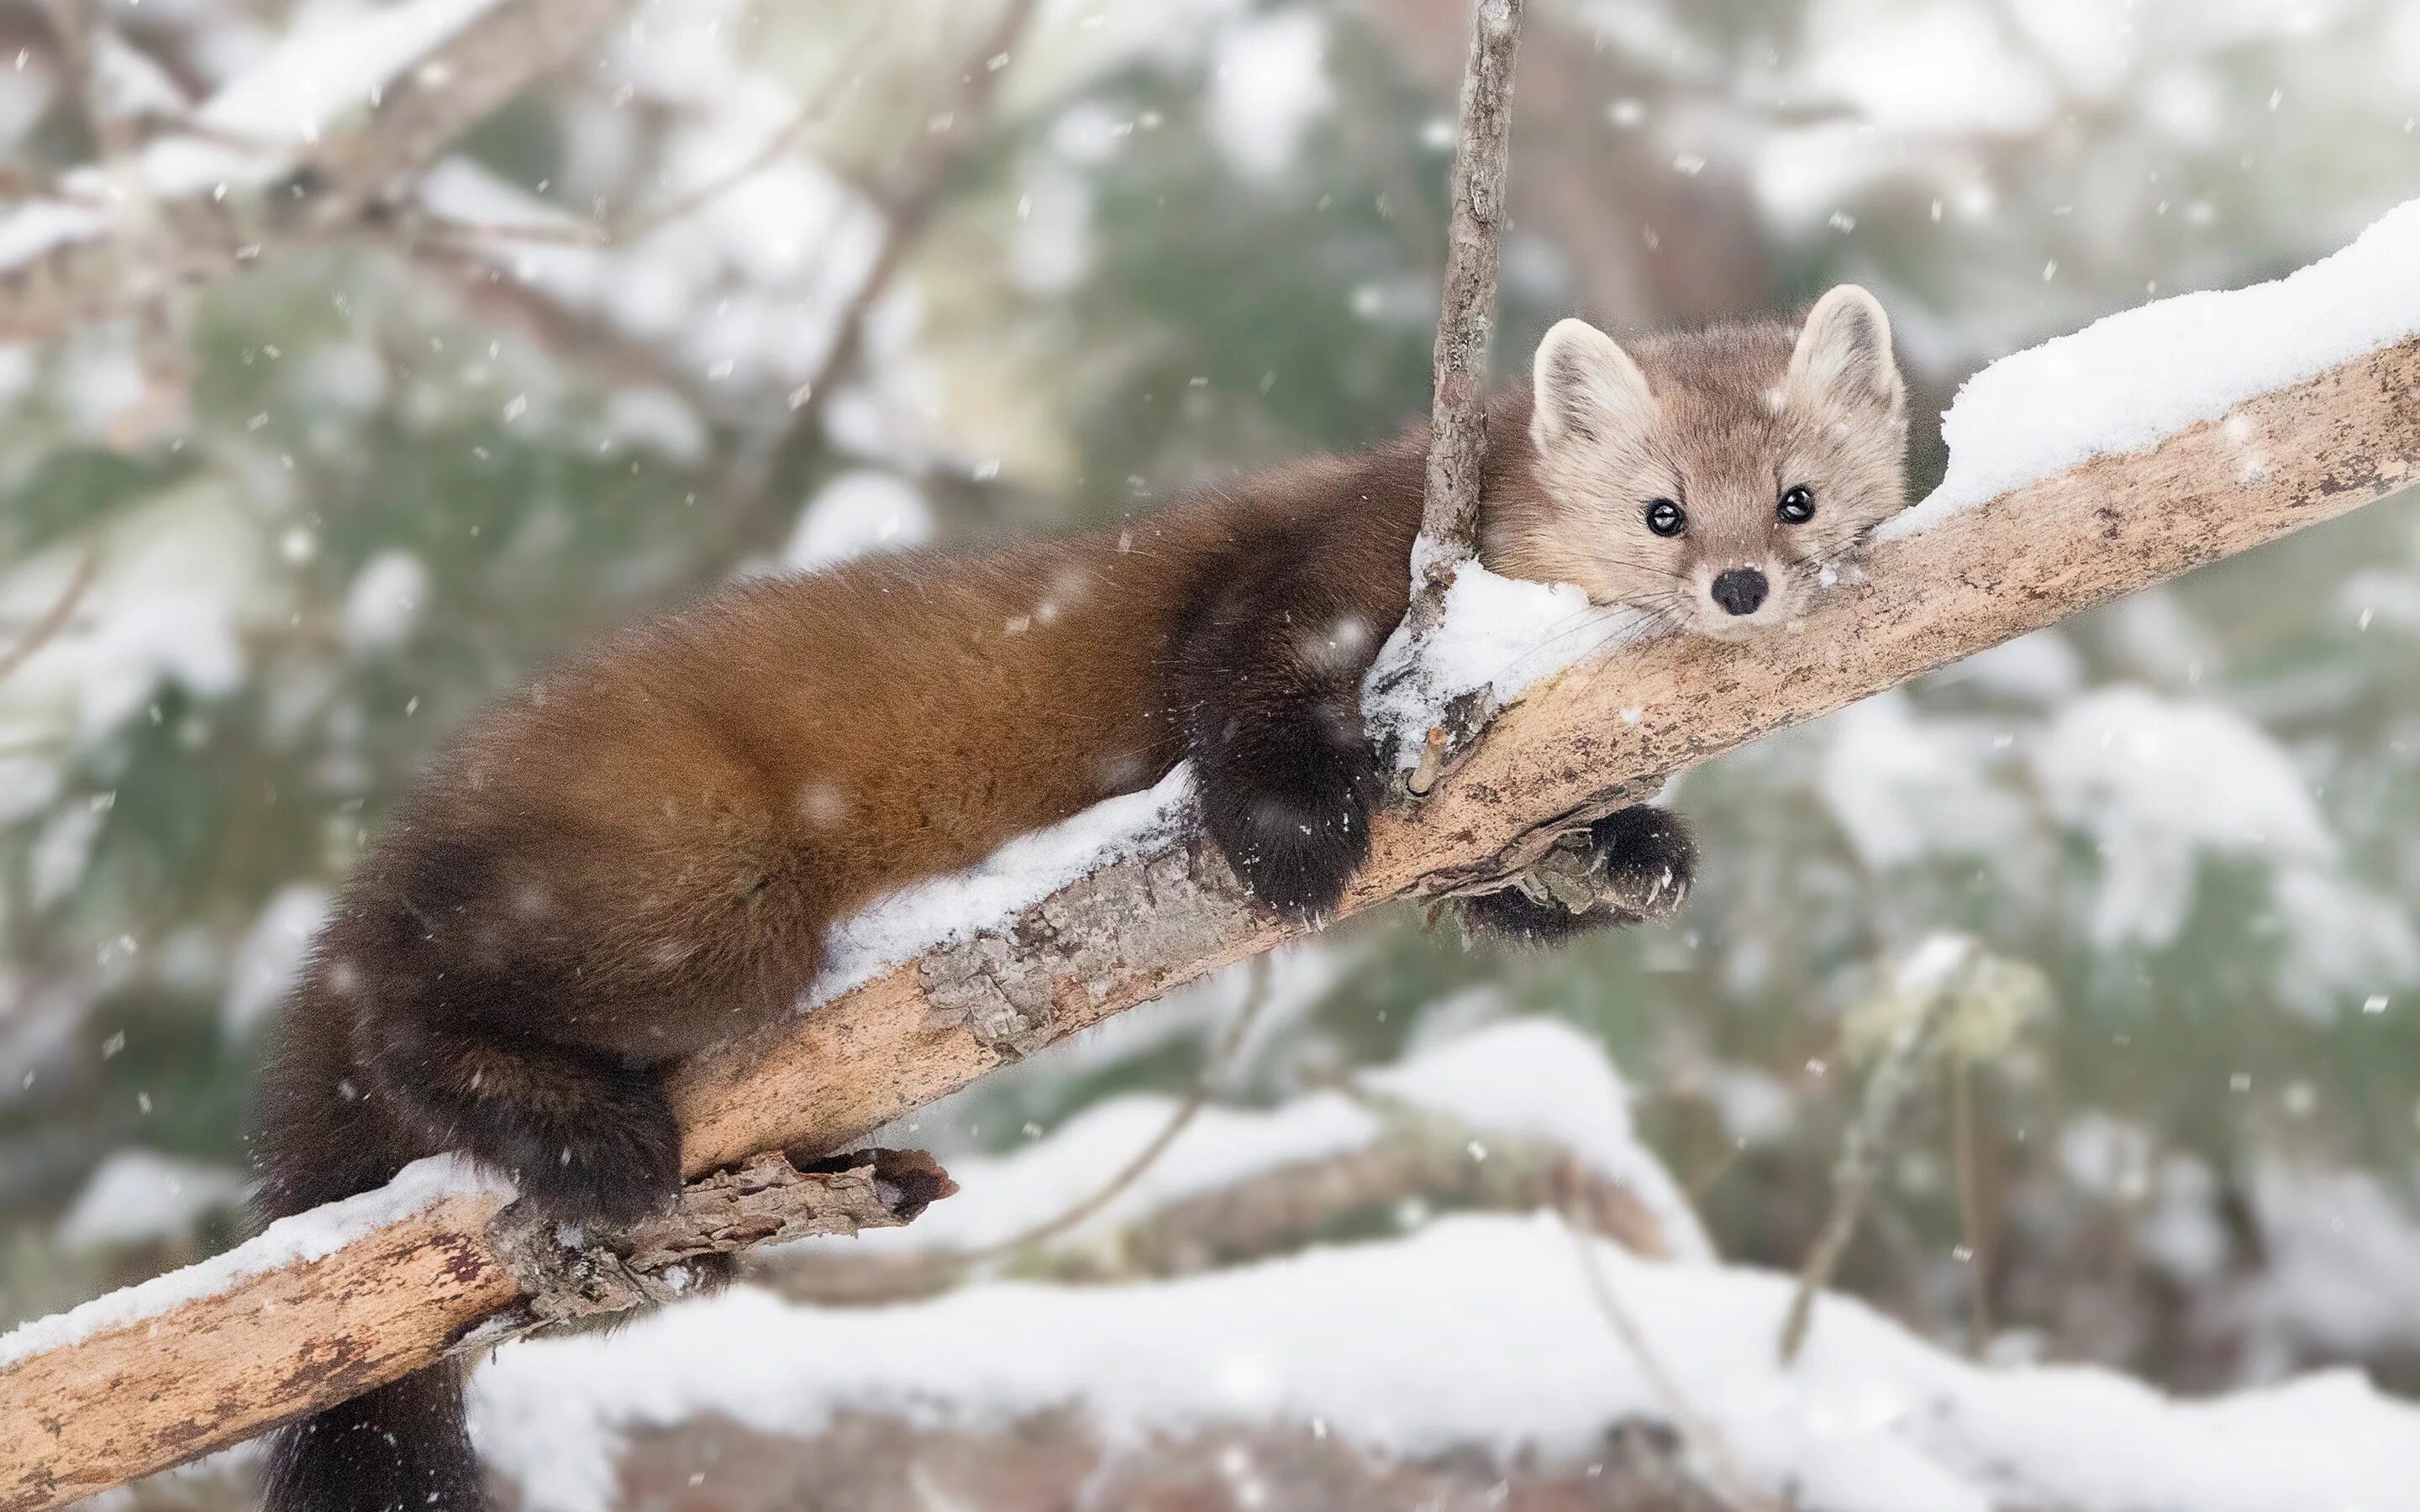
1740, 589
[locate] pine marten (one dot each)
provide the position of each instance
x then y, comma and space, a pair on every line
638, 857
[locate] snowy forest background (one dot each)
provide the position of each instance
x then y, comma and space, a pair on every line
755, 287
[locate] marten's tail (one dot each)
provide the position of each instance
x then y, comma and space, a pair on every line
318, 1137
401, 1449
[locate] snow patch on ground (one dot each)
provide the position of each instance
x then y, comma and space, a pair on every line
2343, 1272
1540, 1079
305, 1236
2127, 382
1477, 1332
1530, 1079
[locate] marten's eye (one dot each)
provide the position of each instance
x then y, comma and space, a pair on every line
1798, 505
1665, 517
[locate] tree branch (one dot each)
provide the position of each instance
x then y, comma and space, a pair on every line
55, 619
188, 1378
1466, 314
152, 1392
148, 253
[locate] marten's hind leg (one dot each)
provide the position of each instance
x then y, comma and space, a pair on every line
587, 1136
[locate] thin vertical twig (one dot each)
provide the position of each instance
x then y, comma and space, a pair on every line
1866, 1142
1256, 996
54, 619
1730, 1483
1466, 313
1963, 1159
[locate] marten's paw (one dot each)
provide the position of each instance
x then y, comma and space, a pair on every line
1296, 823
603, 1151
1515, 916
1632, 866
1646, 860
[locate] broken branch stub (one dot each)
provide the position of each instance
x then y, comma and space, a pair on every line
566, 1279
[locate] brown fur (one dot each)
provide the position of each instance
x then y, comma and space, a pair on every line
1721, 422
639, 856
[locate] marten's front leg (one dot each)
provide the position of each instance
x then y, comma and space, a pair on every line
1269, 693
1640, 863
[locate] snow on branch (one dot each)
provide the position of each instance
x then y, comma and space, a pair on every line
262, 164
2239, 455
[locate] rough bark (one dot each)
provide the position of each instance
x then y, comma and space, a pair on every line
1466, 313
158, 1391
349, 183
213, 1372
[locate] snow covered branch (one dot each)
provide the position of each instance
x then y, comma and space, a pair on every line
2170, 438
218, 194
329, 1304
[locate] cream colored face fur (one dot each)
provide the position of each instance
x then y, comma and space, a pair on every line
1721, 425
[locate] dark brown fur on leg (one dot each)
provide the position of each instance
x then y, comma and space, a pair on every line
1644, 860
1269, 683
403, 1447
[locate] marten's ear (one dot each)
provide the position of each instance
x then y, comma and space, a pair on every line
1586, 386
1845, 347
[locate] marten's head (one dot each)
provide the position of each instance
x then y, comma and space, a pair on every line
1710, 476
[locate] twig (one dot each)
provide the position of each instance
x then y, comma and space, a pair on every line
145, 254
1419, 1156
55, 619
1970, 1204
844, 76
1706, 1441
1465, 313
622, 230
570, 335
922, 180
1256, 998
1868, 1139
